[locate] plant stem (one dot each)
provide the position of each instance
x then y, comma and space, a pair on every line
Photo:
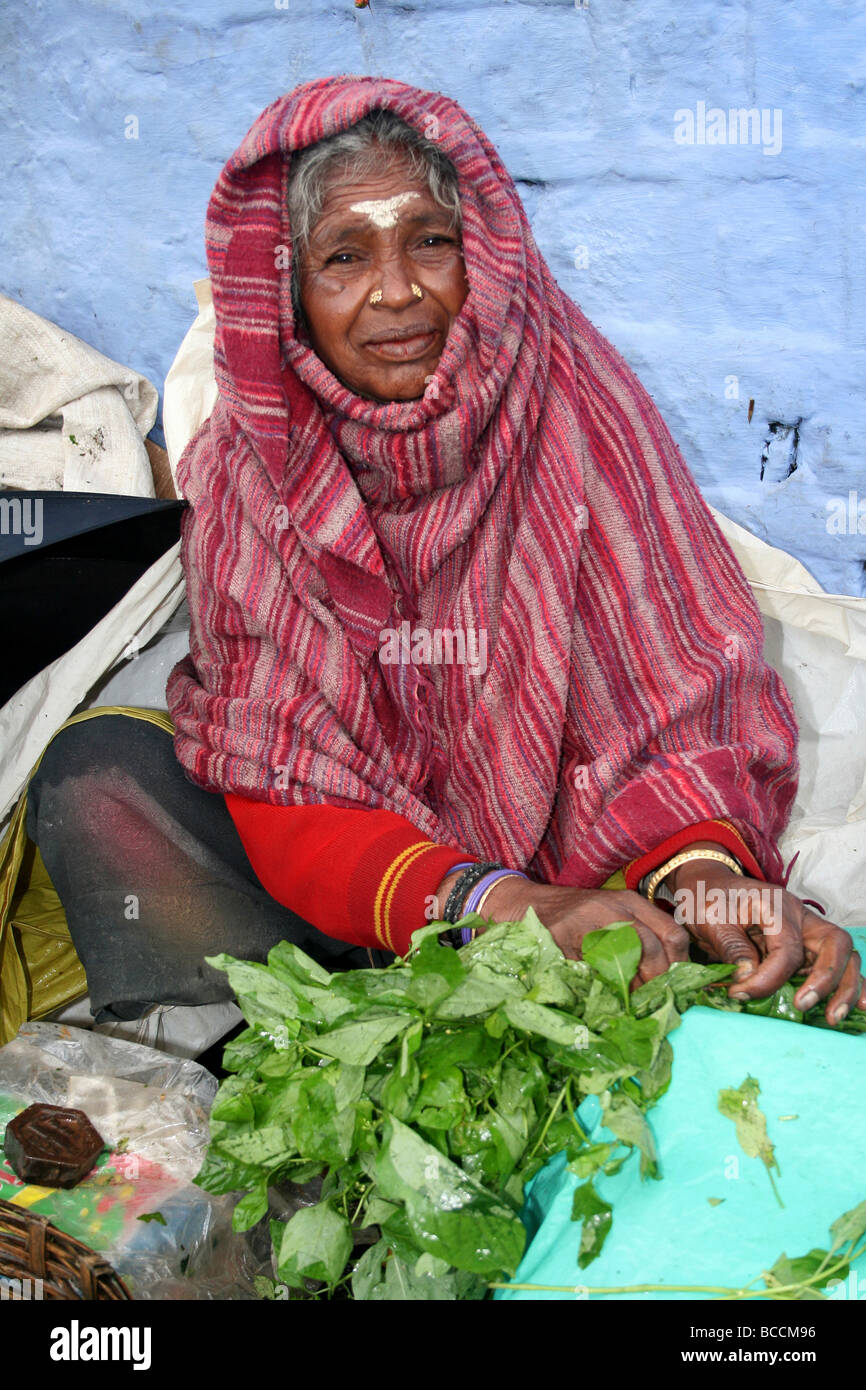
727, 1294
361, 1202
571, 1107
549, 1121
774, 1187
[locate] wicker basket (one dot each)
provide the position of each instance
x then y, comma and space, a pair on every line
31, 1248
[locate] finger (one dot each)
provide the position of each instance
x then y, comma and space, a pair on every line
673, 936
653, 960
751, 907
783, 945
728, 941
831, 961
847, 992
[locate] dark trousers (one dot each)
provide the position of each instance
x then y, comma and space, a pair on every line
151, 872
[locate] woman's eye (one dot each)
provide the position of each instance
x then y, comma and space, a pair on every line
341, 258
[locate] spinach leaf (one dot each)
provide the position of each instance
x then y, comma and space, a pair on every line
614, 952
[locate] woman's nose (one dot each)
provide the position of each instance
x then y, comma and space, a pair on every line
395, 279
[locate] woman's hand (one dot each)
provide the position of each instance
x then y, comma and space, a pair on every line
569, 913
771, 935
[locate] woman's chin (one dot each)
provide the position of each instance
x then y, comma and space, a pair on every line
400, 385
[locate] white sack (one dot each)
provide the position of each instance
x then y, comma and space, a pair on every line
70, 418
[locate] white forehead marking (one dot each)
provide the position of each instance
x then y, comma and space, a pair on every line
383, 211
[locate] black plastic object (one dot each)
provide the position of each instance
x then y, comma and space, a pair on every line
66, 558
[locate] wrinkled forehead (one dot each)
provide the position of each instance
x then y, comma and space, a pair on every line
377, 204
384, 212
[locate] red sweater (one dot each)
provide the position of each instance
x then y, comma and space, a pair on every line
369, 877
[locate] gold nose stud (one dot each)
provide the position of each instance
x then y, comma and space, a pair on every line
417, 291
376, 297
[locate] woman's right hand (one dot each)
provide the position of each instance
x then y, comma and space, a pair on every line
569, 913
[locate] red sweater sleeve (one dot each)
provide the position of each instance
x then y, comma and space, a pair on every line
718, 831
361, 876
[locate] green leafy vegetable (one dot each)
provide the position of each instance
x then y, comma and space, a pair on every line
596, 1215
614, 953
425, 1096
741, 1106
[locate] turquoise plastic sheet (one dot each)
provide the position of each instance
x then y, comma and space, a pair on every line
667, 1231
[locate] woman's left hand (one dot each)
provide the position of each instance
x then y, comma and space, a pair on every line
771, 935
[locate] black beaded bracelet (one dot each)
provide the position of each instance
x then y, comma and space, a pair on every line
463, 887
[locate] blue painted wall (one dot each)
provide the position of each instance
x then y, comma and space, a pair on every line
726, 272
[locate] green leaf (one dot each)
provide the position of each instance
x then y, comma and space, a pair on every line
778, 1005
359, 1043
741, 1106
403, 1284
686, 979
523, 950
234, 1101
850, 1226
546, 1023
614, 953
793, 1271
220, 1174
468, 1047
266, 1148
483, 990
437, 970
628, 1122
243, 1053
152, 1216
656, 1079
322, 1129
264, 999
636, 1040
401, 1089
285, 955
597, 1216
601, 1004
368, 1273
251, 1208
450, 1216
378, 1211
314, 1244
442, 1092
590, 1158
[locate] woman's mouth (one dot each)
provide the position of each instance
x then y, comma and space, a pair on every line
403, 349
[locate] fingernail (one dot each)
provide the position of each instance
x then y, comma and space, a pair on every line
737, 994
840, 1013
808, 1001
744, 970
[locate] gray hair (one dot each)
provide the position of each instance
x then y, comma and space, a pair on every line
359, 152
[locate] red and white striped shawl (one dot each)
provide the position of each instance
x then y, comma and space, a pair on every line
533, 496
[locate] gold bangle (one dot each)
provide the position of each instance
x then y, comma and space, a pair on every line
684, 858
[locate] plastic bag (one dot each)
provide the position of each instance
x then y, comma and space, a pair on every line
167, 1238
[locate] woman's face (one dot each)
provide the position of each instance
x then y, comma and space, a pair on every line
385, 233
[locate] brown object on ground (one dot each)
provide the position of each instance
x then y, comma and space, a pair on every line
163, 482
52, 1146
32, 1250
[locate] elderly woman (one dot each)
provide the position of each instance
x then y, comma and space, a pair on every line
465, 637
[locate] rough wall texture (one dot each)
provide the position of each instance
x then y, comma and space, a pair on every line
720, 251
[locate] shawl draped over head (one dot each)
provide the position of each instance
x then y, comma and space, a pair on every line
532, 502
